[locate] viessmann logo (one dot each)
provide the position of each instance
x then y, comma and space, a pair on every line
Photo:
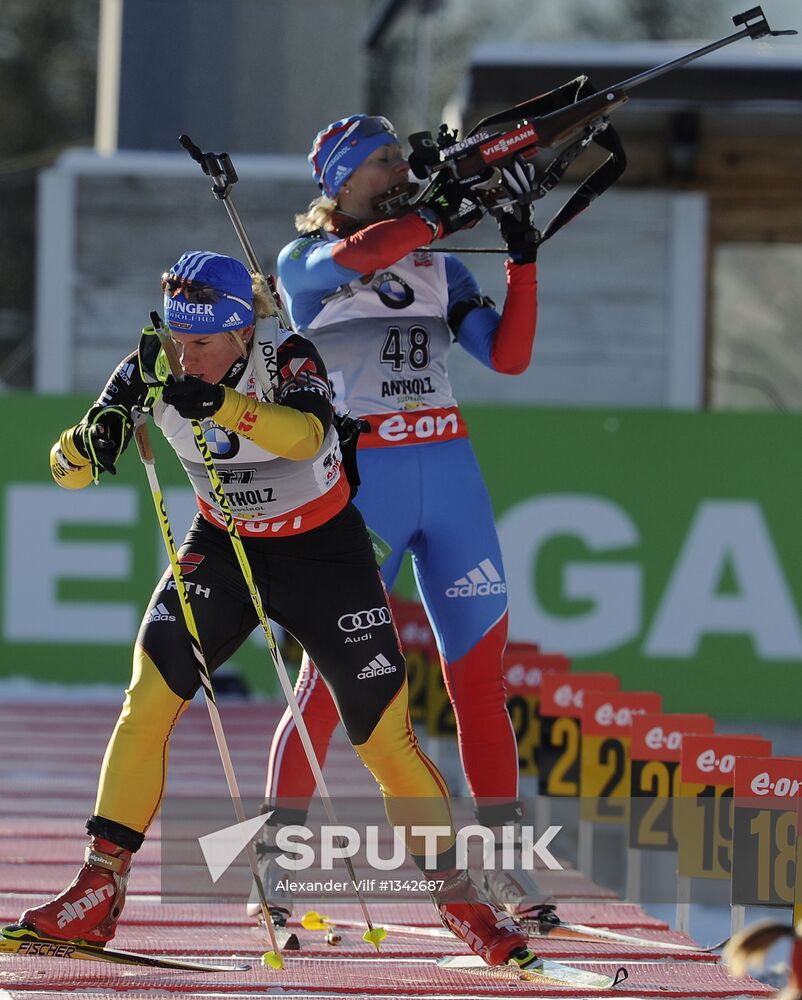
507, 143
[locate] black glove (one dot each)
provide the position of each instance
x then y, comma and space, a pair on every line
454, 203
516, 221
192, 397
102, 436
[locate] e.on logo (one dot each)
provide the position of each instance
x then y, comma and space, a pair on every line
769, 779
607, 715
525, 667
711, 760
410, 426
521, 676
565, 696
707, 762
659, 737
783, 787
613, 712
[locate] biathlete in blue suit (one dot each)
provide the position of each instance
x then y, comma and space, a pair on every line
384, 311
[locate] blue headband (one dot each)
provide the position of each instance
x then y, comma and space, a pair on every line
342, 146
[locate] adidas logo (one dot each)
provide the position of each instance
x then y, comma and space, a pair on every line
377, 666
232, 319
482, 581
159, 614
79, 907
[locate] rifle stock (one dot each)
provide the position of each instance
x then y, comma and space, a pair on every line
560, 126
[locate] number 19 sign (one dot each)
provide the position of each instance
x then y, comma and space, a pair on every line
707, 772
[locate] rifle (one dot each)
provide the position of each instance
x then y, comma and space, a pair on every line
574, 114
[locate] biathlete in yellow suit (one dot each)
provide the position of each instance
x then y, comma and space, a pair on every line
313, 563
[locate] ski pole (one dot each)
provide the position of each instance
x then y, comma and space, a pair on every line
220, 169
272, 958
373, 935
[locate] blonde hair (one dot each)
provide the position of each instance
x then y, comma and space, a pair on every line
317, 216
263, 305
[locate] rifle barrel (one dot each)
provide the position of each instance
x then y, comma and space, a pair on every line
666, 67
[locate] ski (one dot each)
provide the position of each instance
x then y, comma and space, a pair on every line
544, 971
535, 928
18, 940
583, 932
314, 921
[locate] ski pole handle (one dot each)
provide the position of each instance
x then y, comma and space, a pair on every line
168, 346
193, 150
220, 168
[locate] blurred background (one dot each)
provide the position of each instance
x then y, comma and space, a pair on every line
644, 470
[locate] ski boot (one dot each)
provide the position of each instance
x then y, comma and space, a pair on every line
89, 908
487, 930
518, 893
280, 903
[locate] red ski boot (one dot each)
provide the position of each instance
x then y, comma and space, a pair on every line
487, 930
89, 908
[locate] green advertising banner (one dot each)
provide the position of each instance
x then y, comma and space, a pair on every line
660, 546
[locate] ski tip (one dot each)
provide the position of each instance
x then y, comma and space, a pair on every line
17, 930
272, 960
27, 932
375, 936
525, 959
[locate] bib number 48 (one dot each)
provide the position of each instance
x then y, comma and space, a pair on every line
415, 352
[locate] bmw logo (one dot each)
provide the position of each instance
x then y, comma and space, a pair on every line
222, 443
393, 291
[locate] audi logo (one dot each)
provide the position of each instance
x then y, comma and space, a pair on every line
364, 619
